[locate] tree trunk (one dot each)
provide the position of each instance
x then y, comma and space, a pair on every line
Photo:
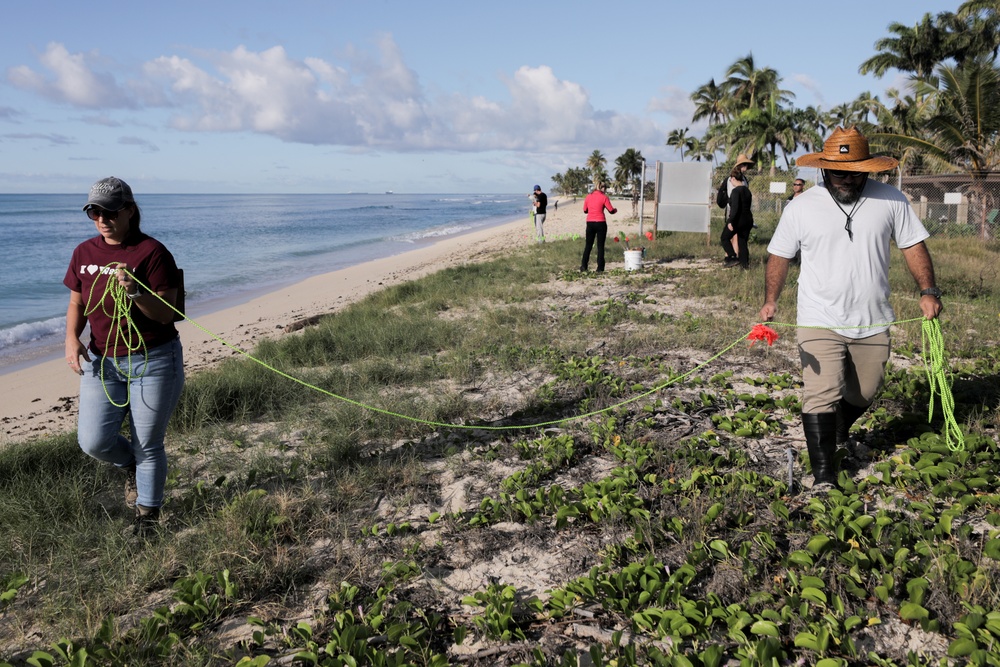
986, 203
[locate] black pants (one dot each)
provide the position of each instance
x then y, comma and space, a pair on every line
742, 243
599, 231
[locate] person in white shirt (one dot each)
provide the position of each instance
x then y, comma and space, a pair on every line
843, 232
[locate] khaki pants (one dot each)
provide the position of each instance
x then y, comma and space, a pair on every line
835, 367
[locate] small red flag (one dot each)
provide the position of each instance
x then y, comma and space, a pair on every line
762, 332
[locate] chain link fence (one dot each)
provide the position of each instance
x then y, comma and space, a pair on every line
948, 204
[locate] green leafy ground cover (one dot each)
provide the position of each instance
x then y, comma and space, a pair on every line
658, 517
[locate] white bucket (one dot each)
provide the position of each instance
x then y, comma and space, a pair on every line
633, 260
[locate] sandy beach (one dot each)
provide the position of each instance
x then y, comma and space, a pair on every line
41, 400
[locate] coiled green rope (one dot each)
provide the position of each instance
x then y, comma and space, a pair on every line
937, 381
129, 335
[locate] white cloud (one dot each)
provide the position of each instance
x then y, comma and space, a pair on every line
52, 139
677, 105
371, 101
145, 145
72, 80
807, 82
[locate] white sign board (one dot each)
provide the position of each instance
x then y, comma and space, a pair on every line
778, 187
953, 198
683, 197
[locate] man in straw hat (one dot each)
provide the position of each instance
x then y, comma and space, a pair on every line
843, 232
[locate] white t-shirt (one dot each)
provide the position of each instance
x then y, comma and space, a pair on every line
844, 282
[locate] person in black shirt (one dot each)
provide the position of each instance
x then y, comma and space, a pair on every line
540, 202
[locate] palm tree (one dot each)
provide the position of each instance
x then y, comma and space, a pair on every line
698, 150
810, 127
679, 140
768, 128
628, 169
977, 6
982, 34
750, 87
918, 50
718, 138
842, 115
962, 132
709, 102
866, 106
596, 163
559, 184
969, 35
856, 112
905, 115
578, 178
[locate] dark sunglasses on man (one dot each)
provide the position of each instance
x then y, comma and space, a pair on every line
837, 173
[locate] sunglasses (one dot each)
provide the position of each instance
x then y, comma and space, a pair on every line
797, 185
845, 174
95, 212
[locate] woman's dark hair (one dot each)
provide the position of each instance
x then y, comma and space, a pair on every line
133, 223
736, 173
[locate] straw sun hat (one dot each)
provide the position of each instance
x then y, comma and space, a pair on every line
847, 150
743, 159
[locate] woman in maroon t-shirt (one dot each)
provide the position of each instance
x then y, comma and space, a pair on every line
120, 283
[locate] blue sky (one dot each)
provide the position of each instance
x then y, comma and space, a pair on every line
297, 96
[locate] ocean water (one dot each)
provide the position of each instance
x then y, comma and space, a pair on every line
231, 247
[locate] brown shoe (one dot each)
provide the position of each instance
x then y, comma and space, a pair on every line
131, 488
147, 520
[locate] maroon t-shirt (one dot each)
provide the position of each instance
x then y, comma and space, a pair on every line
93, 265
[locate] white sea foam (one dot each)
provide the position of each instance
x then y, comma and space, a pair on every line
450, 230
30, 332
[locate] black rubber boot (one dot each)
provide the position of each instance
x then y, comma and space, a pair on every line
847, 414
820, 429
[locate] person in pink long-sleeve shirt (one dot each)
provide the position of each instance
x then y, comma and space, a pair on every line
597, 225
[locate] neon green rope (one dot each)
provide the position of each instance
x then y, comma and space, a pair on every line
943, 387
390, 413
937, 381
129, 335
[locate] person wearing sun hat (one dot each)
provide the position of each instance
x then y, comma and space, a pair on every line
843, 232
737, 178
743, 161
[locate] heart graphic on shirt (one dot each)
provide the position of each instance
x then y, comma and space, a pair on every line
93, 268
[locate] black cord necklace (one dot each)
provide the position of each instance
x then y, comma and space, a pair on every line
850, 216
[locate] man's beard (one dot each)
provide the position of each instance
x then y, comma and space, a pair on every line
849, 196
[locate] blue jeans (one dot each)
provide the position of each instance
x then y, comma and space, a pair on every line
148, 395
